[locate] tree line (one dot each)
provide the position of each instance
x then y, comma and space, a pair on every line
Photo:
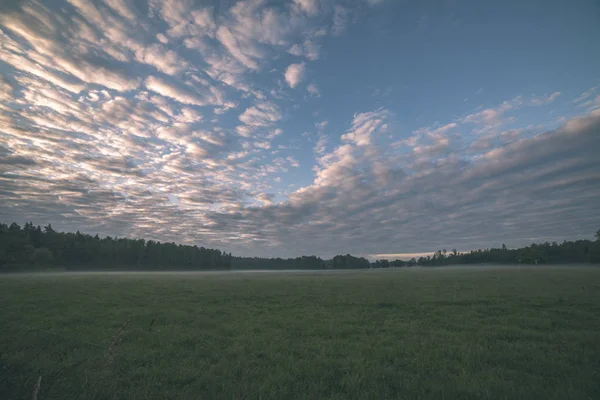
36, 246
567, 252
32, 246
305, 262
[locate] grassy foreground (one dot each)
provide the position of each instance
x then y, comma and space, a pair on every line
400, 334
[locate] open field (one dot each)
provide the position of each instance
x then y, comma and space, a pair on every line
513, 333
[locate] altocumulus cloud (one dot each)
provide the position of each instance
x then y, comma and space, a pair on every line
165, 120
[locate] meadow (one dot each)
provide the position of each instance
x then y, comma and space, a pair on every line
446, 333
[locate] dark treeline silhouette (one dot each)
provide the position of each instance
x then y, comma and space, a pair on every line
257, 263
579, 251
304, 262
36, 247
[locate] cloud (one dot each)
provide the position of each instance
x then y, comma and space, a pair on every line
23, 64
260, 116
364, 126
439, 131
162, 38
588, 99
341, 17
309, 49
311, 7
165, 61
321, 145
15, 162
294, 74
48, 53
6, 89
250, 28
173, 11
585, 95
489, 116
266, 198
438, 145
293, 162
180, 93
358, 200
169, 121
313, 90
497, 193
543, 100
321, 126
231, 43
228, 105
124, 9
493, 118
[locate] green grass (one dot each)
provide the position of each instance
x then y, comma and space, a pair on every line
401, 334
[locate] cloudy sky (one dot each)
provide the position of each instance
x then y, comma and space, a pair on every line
282, 128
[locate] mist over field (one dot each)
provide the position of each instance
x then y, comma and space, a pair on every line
276, 272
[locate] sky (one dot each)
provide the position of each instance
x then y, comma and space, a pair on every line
272, 128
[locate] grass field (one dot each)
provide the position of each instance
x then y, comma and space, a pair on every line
398, 334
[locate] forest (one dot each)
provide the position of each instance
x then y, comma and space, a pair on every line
36, 247
567, 252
